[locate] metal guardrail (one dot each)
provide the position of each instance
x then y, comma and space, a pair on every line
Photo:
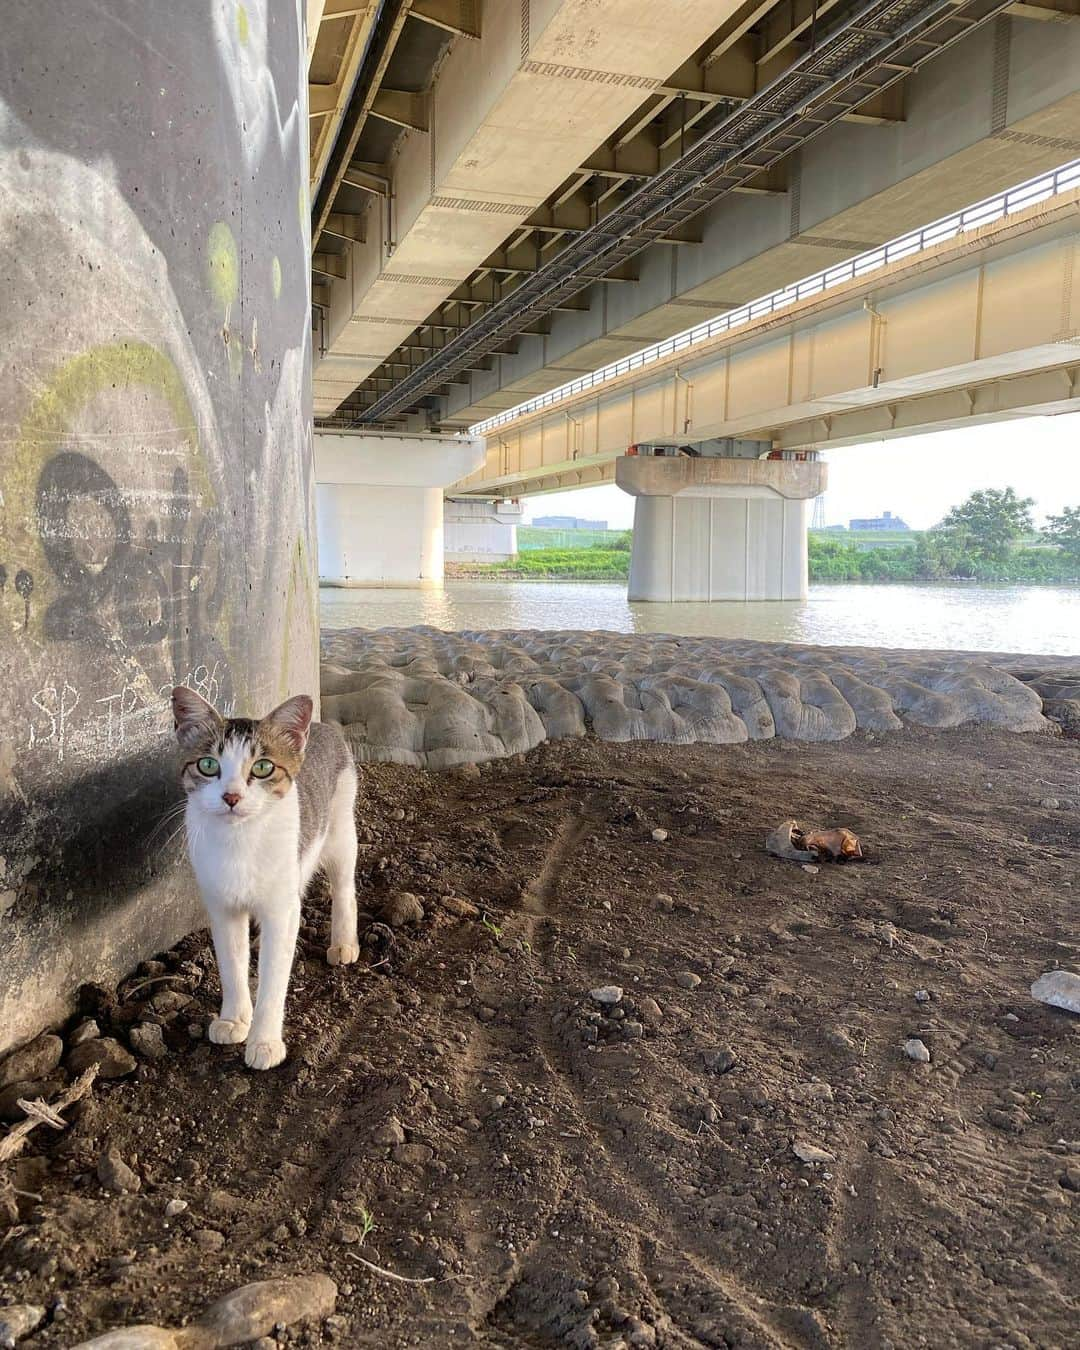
1060, 180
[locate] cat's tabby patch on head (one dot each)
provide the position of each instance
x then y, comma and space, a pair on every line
268, 802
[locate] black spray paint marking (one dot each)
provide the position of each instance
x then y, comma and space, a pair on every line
24, 586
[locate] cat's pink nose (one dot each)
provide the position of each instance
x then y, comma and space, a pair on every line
231, 798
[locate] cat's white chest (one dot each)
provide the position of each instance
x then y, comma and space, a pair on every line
238, 865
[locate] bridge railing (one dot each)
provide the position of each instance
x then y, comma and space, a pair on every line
1019, 198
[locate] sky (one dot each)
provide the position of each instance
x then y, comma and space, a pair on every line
917, 478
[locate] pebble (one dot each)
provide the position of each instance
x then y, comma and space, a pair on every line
87, 1030
209, 1239
412, 1155
468, 772
1058, 988
1070, 1179
686, 979
45, 1088
146, 1039
168, 1002
390, 1132
811, 868
175, 1207
807, 1152
665, 902
659, 836
633, 1031
35, 1060
112, 1059
464, 909
19, 1320
1050, 803
720, 1061
812, 1092
348, 1234
916, 1050
650, 1012
403, 909
607, 995
922, 996
114, 1174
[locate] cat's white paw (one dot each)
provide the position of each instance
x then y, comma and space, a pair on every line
342, 954
223, 1032
264, 1054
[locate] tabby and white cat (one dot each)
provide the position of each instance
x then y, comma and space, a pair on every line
268, 802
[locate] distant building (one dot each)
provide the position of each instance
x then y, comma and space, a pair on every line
568, 523
886, 521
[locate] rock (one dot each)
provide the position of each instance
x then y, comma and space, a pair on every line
651, 1012
720, 1061
1058, 988
810, 1153
34, 1060
812, 1092
209, 1239
255, 1309
412, 1155
916, 1050
175, 1207
633, 1031
114, 1174
922, 996
665, 902
147, 1040
390, 1133
464, 909
143, 1337
607, 995
45, 1088
659, 836
347, 1234
631, 1115
87, 1030
19, 1320
1069, 1179
1049, 803
686, 979
812, 868
112, 1059
402, 909
469, 773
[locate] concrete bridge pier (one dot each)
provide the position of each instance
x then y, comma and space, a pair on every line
719, 528
379, 504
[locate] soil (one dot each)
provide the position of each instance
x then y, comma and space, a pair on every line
570, 1172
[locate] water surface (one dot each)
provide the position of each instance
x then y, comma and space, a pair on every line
972, 618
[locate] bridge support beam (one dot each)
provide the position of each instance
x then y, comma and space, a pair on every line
719, 529
482, 531
380, 505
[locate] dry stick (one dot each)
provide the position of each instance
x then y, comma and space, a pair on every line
13, 1141
158, 979
401, 1279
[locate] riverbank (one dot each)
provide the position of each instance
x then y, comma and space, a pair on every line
458, 1109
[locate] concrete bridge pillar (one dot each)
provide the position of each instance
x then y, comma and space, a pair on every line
480, 531
719, 528
379, 504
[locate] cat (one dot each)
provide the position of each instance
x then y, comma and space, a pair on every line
268, 802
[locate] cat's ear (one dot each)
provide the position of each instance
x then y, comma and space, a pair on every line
291, 721
195, 720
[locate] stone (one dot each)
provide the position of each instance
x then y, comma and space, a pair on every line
1059, 989
175, 1207
1070, 1179
34, 1060
402, 909
807, 1152
1050, 803
463, 909
147, 1040
254, 1310
114, 1174
916, 1050
209, 1239
168, 1002
720, 1061
812, 1092
469, 773
44, 1088
922, 996
87, 1030
142, 1337
686, 979
347, 1234
650, 1012
665, 902
633, 1031
390, 1133
112, 1059
659, 836
607, 995
19, 1320
412, 1155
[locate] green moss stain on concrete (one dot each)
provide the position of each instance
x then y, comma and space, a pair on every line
243, 27
223, 264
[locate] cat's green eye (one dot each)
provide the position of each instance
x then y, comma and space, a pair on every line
262, 768
208, 766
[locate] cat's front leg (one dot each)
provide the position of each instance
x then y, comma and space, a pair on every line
229, 928
279, 922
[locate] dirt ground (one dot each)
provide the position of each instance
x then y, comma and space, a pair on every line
565, 1172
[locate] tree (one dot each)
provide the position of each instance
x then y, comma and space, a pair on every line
990, 522
1064, 530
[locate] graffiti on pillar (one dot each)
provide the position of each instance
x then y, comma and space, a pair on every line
155, 500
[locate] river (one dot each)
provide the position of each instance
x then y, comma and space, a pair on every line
1044, 619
